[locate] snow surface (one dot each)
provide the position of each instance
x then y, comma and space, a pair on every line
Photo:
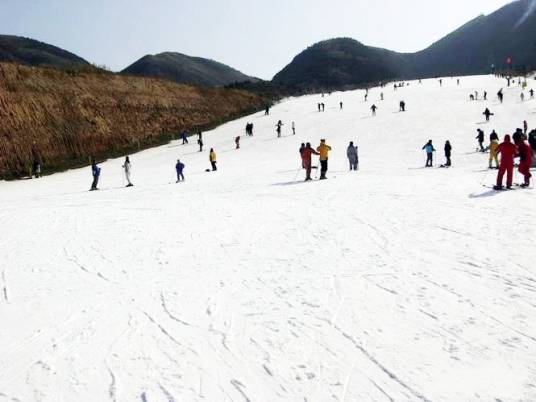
394, 283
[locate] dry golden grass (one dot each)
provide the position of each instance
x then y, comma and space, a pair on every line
61, 118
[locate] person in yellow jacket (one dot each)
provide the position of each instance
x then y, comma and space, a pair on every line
323, 149
212, 158
493, 148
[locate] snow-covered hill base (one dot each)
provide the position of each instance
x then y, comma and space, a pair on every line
393, 283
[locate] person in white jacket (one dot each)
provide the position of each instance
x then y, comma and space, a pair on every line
127, 169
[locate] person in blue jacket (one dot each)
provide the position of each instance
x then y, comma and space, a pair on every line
95, 170
429, 148
184, 137
179, 167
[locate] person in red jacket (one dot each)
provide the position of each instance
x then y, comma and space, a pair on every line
525, 160
507, 150
306, 154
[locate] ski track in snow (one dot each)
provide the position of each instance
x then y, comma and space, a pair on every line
394, 283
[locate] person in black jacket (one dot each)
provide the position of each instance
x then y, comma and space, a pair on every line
480, 138
448, 151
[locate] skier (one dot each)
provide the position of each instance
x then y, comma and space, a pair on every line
278, 130
493, 151
493, 136
480, 138
212, 159
440, 82
373, 108
381, 96
323, 107
200, 143
402, 106
306, 154
448, 151
319, 107
293, 128
199, 135
485, 95
522, 96
525, 127
351, 153
184, 137
36, 169
302, 147
531, 92
179, 167
457, 81
525, 161
476, 95
366, 96
323, 149
267, 111
96, 171
429, 148
237, 142
487, 113
507, 150
518, 135
340, 104
500, 95
532, 139
127, 168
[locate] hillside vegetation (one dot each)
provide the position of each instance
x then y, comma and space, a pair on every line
62, 118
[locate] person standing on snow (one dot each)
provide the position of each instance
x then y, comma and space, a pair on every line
507, 150
429, 148
525, 127
323, 149
302, 147
340, 105
402, 106
127, 170
493, 151
493, 136
500, 95
306, 154
212, 159
480, 138
525, 161
36, 169
237, 142
448, 152
278, 128
351, 153
374, 108
179, 167
381, 96
485, 95
184, 137
96, 171
531, 92
487, 113
200, 143
293, 128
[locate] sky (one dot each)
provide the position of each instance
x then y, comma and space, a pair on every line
256, 37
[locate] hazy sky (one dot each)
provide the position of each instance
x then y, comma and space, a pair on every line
256, 37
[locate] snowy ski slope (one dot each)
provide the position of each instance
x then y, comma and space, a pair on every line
395, 283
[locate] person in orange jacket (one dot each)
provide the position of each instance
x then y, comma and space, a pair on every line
507, 150
323, 149
212, 158
525, 161
306, 153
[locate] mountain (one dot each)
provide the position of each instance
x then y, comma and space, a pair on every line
338, 63
486, 40
31, 52
471, 49
186, 70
